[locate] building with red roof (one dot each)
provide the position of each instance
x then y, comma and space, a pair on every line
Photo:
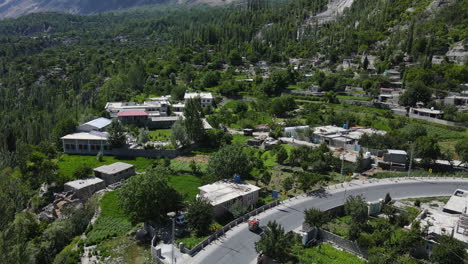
133, 117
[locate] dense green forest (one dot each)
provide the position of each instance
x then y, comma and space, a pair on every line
57, 70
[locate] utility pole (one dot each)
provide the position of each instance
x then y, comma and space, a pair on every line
342, 163
411, 158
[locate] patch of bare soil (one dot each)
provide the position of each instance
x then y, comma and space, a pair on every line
198, 158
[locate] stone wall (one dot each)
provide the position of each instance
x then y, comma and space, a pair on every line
341, 242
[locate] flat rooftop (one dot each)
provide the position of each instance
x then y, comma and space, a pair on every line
114, 168
223, 191
83, 183
201, 95
458, 202
440, 223
396, 152
323, 130
100, 122
94, 135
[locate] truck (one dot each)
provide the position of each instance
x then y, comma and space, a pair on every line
254, 225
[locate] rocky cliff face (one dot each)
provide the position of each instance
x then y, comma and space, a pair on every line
15, 8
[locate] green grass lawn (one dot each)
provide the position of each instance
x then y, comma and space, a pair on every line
339, 226
112, 221
357, 98
186, 185
326, 254
160, 135
191, 241
295, 87
68, 164
184, 166
241, 139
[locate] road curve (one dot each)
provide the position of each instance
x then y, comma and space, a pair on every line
238, 245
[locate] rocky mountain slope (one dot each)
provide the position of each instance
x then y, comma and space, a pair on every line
15, 8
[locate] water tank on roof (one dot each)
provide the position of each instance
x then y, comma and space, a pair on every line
237, 178
345, 126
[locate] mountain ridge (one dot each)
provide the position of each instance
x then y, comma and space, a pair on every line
16, 8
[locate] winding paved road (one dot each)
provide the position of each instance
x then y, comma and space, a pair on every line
238, 245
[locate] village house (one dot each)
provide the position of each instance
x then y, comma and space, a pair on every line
98, 124
145, 119
153, 108
460, 101
223, 194
84, 188
341, 136
85, 142
206, 99
427, 112
451, 221
115, 172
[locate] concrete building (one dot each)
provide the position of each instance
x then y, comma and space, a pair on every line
98, 124
153, 108
395, 156
206, 99
341, 137
451, 221
84, 188
134, 117
223, 194
85, 142
457, 100
427, 112
458, 202
114, 172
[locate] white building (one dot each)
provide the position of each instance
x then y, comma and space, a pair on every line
154, 108
98, 124
451, 221
223, 194
427, 112
340, 137
205, 98
85, 142
84, 188
114, 172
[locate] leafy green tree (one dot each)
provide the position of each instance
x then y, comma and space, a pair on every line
143, 136
83, 172
237, 209
266, 178
64, 127
448, 250
179, 137
229, 160
193, 119
281, 155
276, 243
100, 156
149, 196
117, 137
416, 92
462, 150
200, 216
356, 207
288, 184
427, 148
316, 217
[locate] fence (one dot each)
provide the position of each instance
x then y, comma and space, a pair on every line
192, 252
341, 242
